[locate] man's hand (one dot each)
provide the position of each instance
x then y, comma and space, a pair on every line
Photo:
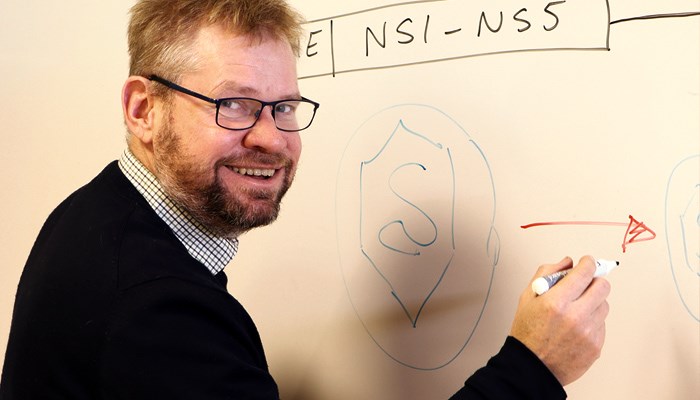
565, 327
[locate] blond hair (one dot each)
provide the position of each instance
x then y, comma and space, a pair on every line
162, 32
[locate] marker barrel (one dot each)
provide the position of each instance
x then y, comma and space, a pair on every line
542, 284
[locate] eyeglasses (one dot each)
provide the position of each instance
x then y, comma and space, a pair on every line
240, 113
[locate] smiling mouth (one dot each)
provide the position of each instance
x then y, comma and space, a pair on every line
262, 173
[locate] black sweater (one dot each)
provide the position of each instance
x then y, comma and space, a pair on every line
112, 306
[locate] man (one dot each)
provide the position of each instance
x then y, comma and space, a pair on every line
124, 294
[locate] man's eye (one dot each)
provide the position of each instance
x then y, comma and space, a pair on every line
232, 105
285, 108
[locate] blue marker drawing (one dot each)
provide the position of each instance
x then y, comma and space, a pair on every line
415, 207
403, 241
682, 217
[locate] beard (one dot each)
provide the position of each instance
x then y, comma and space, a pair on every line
199, 189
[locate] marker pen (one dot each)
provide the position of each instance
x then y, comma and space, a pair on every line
542, 284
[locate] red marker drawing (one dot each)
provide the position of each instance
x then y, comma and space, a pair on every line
636, 231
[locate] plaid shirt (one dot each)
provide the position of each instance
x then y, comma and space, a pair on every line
212, 251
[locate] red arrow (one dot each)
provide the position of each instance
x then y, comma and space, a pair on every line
636, 231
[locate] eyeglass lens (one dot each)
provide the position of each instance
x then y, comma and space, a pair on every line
242, 113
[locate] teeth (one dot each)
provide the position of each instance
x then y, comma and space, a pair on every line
254, 172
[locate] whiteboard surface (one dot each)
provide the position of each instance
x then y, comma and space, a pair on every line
445, 146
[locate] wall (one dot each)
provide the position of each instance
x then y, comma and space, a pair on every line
431, 150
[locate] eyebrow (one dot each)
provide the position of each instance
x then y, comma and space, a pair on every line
246, 91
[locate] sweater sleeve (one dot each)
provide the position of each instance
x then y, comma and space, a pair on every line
514, 373
172, 339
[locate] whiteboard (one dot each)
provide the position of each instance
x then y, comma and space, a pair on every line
449, 158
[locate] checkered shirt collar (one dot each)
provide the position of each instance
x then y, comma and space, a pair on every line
212, 251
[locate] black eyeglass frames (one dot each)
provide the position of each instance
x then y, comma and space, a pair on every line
240, 113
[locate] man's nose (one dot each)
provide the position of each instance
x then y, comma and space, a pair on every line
264, 135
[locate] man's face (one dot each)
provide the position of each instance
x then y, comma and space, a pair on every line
231, 181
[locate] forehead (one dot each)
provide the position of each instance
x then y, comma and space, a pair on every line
266, 65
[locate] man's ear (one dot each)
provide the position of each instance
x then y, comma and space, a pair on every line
138, 108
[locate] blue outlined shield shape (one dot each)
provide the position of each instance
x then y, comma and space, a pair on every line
415, 209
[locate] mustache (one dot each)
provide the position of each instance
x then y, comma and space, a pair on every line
272, 159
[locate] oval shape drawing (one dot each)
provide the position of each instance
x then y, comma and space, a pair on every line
415, 210
682, 216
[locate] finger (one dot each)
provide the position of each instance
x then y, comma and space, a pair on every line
595, 294
598, 339
601, 313
599, 333
577, 280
